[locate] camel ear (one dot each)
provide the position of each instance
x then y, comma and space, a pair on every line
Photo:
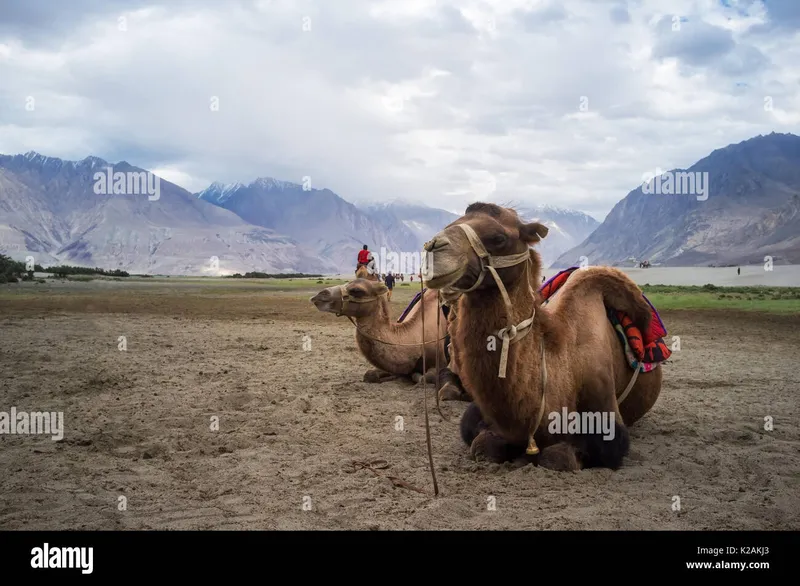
533, 232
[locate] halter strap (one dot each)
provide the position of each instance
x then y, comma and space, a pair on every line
489, 262
347, 299
511, 333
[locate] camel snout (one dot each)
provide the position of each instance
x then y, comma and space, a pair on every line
437, 243
323, 295
327, 300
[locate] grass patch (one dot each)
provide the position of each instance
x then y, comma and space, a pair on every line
760, 298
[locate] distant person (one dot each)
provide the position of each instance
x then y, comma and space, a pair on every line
363, 257
738, 270
371, 268
389, 282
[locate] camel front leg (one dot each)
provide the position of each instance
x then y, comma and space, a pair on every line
378, 376
450, 387
607, 444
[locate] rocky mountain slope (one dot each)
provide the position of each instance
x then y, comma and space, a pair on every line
326, 225
49, 209
568, 228
749, 212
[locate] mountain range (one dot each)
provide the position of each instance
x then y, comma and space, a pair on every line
749, 210
49, 210
70, 212
52, 210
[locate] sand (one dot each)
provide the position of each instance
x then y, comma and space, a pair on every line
139, 450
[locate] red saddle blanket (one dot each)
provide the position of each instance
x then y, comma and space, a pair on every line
645, 349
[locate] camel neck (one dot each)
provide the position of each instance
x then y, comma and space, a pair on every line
378, 319
489, 303
379, 324
481, 314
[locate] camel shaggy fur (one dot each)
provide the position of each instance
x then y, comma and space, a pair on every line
571, 337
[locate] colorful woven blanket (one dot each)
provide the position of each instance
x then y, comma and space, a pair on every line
646, 350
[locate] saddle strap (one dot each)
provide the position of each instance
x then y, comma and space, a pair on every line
630, 385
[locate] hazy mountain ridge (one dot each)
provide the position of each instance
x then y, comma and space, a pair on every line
421, 220
326, 225
567, 228
750, 212
49, 210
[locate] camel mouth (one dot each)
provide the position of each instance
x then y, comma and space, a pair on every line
442, 281
326, 306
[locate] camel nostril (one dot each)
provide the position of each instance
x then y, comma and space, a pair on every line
321, 297
436, 243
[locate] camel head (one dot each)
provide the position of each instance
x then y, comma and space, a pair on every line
452, 260
358, 298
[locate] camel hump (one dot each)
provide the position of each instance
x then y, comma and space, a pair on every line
618, 290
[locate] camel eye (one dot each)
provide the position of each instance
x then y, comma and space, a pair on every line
498, 239
356, 293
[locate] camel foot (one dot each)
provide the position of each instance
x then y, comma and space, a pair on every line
430, 377
450, 387
561, 457
491, 447
378, 376
599, 451
451, 392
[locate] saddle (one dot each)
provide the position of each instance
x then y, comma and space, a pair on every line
644, 350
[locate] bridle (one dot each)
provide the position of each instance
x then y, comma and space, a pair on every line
347, 298
512, 333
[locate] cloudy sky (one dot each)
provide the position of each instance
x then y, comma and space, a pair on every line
567, 103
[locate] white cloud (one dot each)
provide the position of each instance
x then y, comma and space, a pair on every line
433, 101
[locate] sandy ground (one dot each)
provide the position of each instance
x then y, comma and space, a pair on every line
293, 417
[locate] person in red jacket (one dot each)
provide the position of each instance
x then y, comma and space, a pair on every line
363, 257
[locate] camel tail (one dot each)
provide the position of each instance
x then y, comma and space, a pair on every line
619, 292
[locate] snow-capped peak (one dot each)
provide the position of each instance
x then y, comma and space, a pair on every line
219, 192
270, 183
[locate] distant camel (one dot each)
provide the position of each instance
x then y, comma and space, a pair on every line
363, 273
394, 347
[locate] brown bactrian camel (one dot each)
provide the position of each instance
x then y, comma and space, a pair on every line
363, 273
395, 349
561, 360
